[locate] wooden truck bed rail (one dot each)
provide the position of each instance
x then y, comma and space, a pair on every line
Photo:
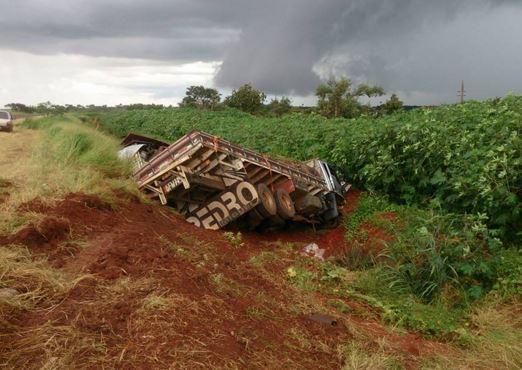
177, 152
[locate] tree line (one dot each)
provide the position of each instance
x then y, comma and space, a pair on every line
50, 108
335, 98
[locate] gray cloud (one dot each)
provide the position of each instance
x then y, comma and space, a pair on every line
370, 41
418, 47
179, 30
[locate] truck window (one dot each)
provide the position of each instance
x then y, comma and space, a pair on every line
4, 115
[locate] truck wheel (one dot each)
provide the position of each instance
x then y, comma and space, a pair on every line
285, 204
267, 206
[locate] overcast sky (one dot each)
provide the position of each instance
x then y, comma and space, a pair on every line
124, 51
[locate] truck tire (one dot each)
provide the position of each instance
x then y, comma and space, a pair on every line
267, 205
285, 204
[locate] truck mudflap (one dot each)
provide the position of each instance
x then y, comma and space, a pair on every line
225, 207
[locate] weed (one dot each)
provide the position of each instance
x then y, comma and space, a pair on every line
302, 278
236, 239
339, 305
260, 259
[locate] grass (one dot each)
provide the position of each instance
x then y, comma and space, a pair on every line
494, 338
36, 286
35, 282
49, 157
50, 346
236, 239
156, 302
88, 156
360, 358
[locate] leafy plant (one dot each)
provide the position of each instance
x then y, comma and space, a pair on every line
236, 239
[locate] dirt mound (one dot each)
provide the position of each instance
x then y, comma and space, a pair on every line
48, 231
76, 203
35, 205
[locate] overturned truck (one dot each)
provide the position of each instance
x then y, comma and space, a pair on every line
213, 183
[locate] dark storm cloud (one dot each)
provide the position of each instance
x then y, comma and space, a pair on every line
287, 46
368, 40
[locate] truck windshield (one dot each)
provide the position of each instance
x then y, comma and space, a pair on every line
4, 115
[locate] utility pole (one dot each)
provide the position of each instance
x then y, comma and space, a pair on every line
461, 93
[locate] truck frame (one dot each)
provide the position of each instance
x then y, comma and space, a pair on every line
214, 182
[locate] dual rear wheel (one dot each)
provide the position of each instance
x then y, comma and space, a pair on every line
280, 203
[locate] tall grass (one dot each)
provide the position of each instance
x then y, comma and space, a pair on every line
79, 158
59, 155
432, 250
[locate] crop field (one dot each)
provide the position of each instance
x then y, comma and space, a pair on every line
462, 158
424, 273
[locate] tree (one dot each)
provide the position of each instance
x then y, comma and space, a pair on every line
44, 107
201, 97
279, 107
393, 104
338, 99
246, 98
369, 91
19, 107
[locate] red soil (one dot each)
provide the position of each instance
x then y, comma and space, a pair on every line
220, 317
332, 241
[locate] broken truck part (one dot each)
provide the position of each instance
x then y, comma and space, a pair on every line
213, 182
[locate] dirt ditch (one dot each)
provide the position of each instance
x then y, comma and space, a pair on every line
160, 292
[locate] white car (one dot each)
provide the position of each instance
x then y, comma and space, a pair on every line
6, 121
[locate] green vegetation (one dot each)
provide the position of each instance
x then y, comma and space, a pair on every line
246, 98
433, 252
279, 107
73, 144
435, 265
426, 278
201, 97
392, 105
463, 158
340, 99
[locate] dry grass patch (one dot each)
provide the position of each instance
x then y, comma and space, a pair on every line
50, 346
34, 280
358, 357
495, 341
